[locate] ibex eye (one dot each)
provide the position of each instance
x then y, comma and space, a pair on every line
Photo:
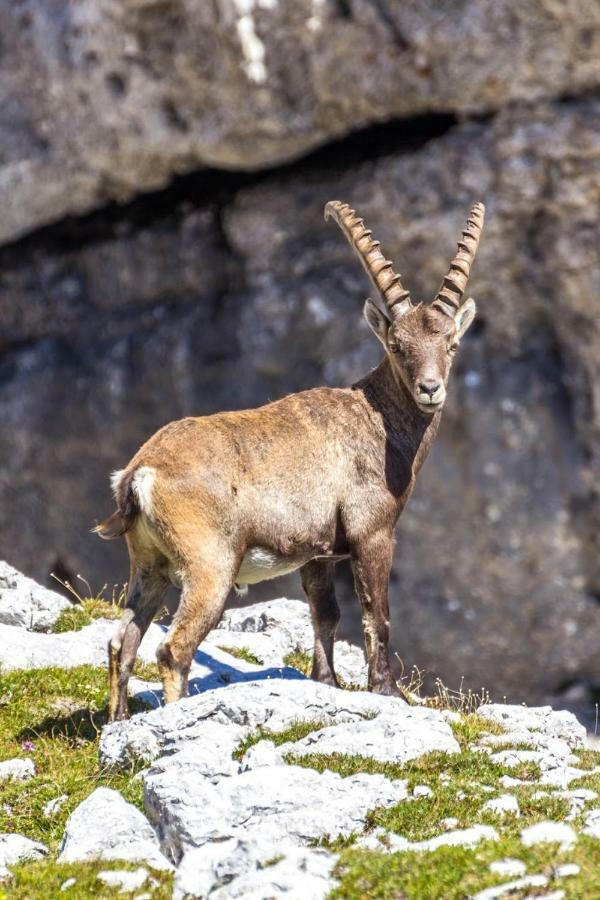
393, 348
453, 348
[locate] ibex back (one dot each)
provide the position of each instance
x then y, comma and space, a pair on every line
319, 476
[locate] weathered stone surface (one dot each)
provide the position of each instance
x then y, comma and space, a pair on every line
508, 867
17, 770
25, 603
388, 842
248, 84
21, 649
15, 848
273, 629
592, 823
125, 321
300, 805
54, 806
388, 739
271, 704
503, 805
126, 881
105, 826
549, 833
254, 867
534, 725
211, 667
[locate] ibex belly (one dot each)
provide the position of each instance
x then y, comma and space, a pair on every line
261, 564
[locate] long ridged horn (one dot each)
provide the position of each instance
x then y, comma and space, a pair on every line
448, 297
377, 267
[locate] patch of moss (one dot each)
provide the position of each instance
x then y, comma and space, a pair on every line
243, 653
588, 759
453, 873
300, 661
44, 879
460, 769
526, 771
73, 619
472, 727
81, 614
54, 716
295, 732
146, 671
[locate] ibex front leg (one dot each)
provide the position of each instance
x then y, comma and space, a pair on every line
371, 565
317, 581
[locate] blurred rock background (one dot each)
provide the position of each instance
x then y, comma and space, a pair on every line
163, 169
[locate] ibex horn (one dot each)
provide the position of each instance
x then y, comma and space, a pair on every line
448, 297
377, 267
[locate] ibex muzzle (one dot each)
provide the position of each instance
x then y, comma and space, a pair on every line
319, 476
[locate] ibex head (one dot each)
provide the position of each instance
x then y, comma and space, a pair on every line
420, 340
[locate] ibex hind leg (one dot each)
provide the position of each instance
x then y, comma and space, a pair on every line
317, 581
145, 593
203, 596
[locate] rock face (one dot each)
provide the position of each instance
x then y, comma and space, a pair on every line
25, 603
15, 848
105, 826
247, 83
226, 289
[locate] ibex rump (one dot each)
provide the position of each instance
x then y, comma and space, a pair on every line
301, 483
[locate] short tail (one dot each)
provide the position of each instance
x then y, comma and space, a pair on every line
123, 519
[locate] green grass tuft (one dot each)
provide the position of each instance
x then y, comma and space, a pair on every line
295, 732
472, 727
243, 653
82, 614
54, 716
300, 661
146, 671
43, 880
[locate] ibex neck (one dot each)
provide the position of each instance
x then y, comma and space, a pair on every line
409, 429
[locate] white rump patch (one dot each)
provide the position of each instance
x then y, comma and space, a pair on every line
115, 482
142, 484
261, 564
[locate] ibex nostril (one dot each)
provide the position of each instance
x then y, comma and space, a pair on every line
429, 387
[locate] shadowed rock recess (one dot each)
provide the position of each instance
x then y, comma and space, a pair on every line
224, 288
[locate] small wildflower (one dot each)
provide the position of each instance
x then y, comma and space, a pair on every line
28, 746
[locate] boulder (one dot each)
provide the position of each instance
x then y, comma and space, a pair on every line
17, 770
254, 867
397, 738
298, 805
549, 833
106, 826
270, 704
25, 603
16, 848
535, 725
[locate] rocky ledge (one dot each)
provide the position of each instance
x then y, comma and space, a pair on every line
264, 784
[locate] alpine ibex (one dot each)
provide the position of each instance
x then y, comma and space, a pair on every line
313, 478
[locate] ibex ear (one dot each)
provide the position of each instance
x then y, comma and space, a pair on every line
376, 320
464, 316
